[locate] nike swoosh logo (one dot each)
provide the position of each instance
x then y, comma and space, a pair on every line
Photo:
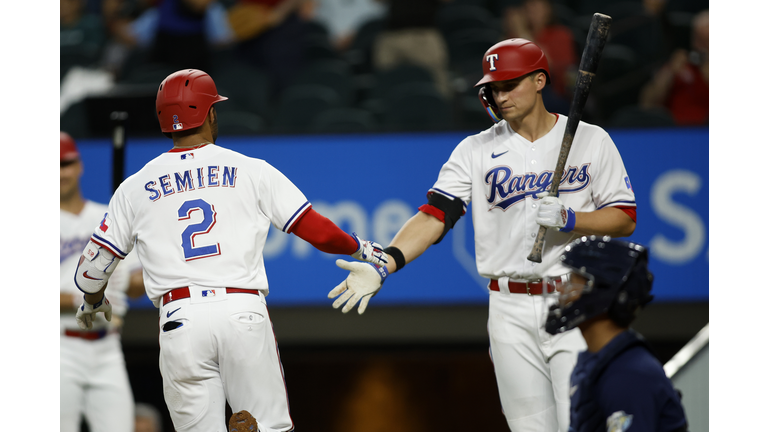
494, 156
85, 275
168, 315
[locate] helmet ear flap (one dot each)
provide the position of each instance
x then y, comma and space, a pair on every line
486, 98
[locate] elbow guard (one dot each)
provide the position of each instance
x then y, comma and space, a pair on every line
94, 269
447, 210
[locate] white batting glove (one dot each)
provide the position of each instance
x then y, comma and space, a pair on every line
87, 312
553, 214
363, 282
369, 251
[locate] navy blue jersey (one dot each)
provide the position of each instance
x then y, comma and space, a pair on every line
621, 388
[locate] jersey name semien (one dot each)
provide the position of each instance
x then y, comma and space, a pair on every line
201, 177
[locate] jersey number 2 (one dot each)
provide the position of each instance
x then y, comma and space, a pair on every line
191, 251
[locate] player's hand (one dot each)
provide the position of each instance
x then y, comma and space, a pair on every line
363, 282
87, 312
369, 251
553, 214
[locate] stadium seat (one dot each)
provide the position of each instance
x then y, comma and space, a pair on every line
344, 120
241, 123
247, 87
636, 117
385, 80
416, 107
471, 44
335, 74
452, 18
300, 104
359, 52
318, 49
316, 30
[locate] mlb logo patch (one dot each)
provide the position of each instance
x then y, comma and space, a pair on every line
209, 293
187, 156
177, 126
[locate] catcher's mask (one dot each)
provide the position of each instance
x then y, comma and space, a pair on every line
508, 60
608, 276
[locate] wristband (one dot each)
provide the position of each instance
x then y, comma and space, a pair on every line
397, 255
382, 271
571, 222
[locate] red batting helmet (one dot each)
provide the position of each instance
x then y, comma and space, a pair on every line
184, 98
512, 58
508, 60
68, 149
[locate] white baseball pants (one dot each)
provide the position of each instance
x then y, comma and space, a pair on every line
533, 368
224, 351
94, 383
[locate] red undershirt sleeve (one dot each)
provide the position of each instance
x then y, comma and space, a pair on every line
323, 234
433, 211
630, 211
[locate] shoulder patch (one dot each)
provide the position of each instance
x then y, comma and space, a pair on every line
618, 422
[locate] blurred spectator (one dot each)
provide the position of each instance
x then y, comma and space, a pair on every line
148, 418
83, 38
270, 35
117, 16
682, 84
344, 17
82, 35
179, 33
535, 20
410, 36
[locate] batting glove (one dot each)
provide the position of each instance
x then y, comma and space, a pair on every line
87, 312
363, 282
369, 251
553, 214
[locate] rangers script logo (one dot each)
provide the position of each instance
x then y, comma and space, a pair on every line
506, 189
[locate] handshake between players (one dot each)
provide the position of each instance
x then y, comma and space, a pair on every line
98, 263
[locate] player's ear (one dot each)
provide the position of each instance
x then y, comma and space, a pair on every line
541, 80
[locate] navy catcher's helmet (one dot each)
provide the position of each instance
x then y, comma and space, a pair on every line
618, 283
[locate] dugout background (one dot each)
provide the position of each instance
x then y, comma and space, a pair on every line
393, 368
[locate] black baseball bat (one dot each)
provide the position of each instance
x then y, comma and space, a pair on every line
119, 120
596, 38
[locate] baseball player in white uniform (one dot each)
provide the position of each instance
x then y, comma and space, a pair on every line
93, 377
505, 171
198, 216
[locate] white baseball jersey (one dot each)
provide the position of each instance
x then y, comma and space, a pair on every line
93, 378
504, 175
200, 217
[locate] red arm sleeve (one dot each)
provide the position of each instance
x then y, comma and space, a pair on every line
323, 234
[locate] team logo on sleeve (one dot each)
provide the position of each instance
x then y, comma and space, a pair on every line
105, 223
618, 422
629, 185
